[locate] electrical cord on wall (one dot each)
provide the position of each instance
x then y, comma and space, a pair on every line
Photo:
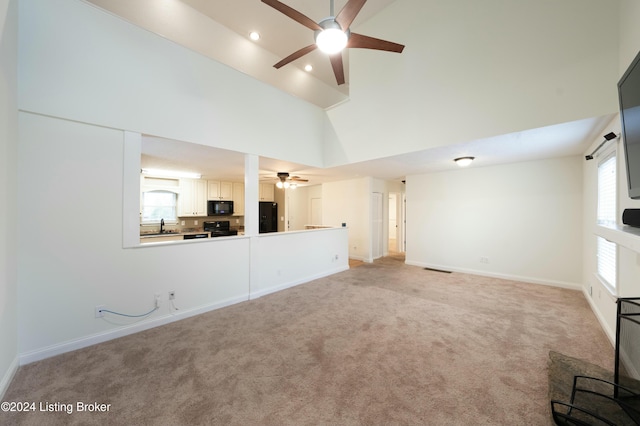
130, 316
174, 306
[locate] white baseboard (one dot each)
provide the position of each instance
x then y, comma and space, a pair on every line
264, 292
531, 280
611, 334
8, 377
72, 345
360, 258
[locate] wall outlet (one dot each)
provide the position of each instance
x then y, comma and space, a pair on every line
158, 300
172, 294
195, 223
99, 311
484, 260
182, 223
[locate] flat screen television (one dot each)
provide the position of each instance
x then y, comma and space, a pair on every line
629, 97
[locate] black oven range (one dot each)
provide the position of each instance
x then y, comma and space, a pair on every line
219, 228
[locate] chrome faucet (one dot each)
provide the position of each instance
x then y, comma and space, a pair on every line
161, 225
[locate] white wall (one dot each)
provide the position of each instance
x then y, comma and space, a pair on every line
603, 300
629, 34
70, 252
478, 71
299, 206
67, 267
86, 80
348, 201
525, 219
8, 191
291, 258
80, 63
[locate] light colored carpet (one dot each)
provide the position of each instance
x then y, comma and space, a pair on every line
380, 344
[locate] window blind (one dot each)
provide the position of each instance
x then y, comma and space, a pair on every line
607, 252
607, 191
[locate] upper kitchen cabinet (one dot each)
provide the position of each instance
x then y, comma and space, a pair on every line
192, 200
267, 192
220, 190
238, 199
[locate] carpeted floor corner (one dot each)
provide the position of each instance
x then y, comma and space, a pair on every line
381, 344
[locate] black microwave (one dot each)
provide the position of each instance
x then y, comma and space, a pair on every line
219, 208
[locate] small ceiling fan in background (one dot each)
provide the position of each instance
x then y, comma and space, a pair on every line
284, 180
332, 35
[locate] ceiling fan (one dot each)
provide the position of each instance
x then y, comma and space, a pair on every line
332, 35
285, 181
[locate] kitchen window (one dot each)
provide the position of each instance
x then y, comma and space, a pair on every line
158, 205
607, 252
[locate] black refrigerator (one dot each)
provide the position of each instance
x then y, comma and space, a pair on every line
268, 217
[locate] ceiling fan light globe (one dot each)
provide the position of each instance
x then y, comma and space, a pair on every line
331, 40
279, 185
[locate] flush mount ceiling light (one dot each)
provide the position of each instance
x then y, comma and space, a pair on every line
464, 161
308, 68
254, 36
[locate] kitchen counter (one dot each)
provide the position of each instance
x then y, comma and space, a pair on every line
167, 234
155, 237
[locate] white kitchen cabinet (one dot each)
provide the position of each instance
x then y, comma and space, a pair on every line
267, 192
238, 199
219, 190
192, 200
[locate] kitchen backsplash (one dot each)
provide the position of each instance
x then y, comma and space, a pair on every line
190, 224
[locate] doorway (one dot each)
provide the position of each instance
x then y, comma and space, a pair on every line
396, 222
376, 226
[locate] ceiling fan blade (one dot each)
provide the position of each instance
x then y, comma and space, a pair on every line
295, 55
293, 14
338, 68
349, 13
366, 42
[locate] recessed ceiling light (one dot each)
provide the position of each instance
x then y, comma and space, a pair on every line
254, 36
308, 68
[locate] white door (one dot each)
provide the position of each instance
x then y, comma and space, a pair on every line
376, 225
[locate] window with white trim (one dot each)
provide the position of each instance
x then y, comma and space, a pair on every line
607, 252
157, 205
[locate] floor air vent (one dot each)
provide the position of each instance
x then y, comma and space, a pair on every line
437, 270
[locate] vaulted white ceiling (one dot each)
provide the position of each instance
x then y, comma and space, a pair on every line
220, 29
